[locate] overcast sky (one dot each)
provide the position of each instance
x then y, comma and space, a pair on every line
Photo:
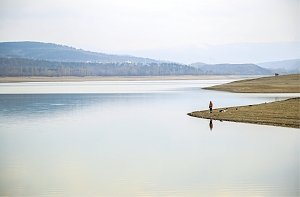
128, 25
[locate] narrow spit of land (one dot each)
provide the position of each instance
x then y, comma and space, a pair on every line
280, 113
274, 84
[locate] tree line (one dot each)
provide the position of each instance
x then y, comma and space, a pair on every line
30, 67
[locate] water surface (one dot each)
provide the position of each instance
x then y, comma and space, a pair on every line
135, 139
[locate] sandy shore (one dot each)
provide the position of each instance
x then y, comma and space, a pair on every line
274, 84
117, 78
280, 113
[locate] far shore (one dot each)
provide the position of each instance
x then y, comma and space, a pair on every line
119, 78
275, 84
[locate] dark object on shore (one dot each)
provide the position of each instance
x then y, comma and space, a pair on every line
223, 110
276, 74
210, 106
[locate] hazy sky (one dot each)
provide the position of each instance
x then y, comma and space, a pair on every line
127, 25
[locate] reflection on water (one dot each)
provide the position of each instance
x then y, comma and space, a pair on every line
211, 124
12, 105
141, 144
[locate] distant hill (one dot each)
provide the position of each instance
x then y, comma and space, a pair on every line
61, 53
283, 67
47, 59
231, 69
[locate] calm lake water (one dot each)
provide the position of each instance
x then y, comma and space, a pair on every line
131, 138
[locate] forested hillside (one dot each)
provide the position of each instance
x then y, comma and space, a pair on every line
28, 67
61, 53
231, 69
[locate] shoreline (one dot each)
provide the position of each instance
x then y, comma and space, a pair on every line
284, 113
274, 84
121, 78
279, 113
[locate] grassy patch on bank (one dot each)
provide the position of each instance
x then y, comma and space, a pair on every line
274, 84
280, 113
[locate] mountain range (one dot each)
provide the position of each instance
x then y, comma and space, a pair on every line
61, 53
47, 59
234, 53
283, 67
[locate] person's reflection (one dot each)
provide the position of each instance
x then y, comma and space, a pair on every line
211, 124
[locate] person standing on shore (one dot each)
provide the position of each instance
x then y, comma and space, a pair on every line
210, 106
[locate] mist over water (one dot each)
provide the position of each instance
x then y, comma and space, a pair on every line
135, 139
